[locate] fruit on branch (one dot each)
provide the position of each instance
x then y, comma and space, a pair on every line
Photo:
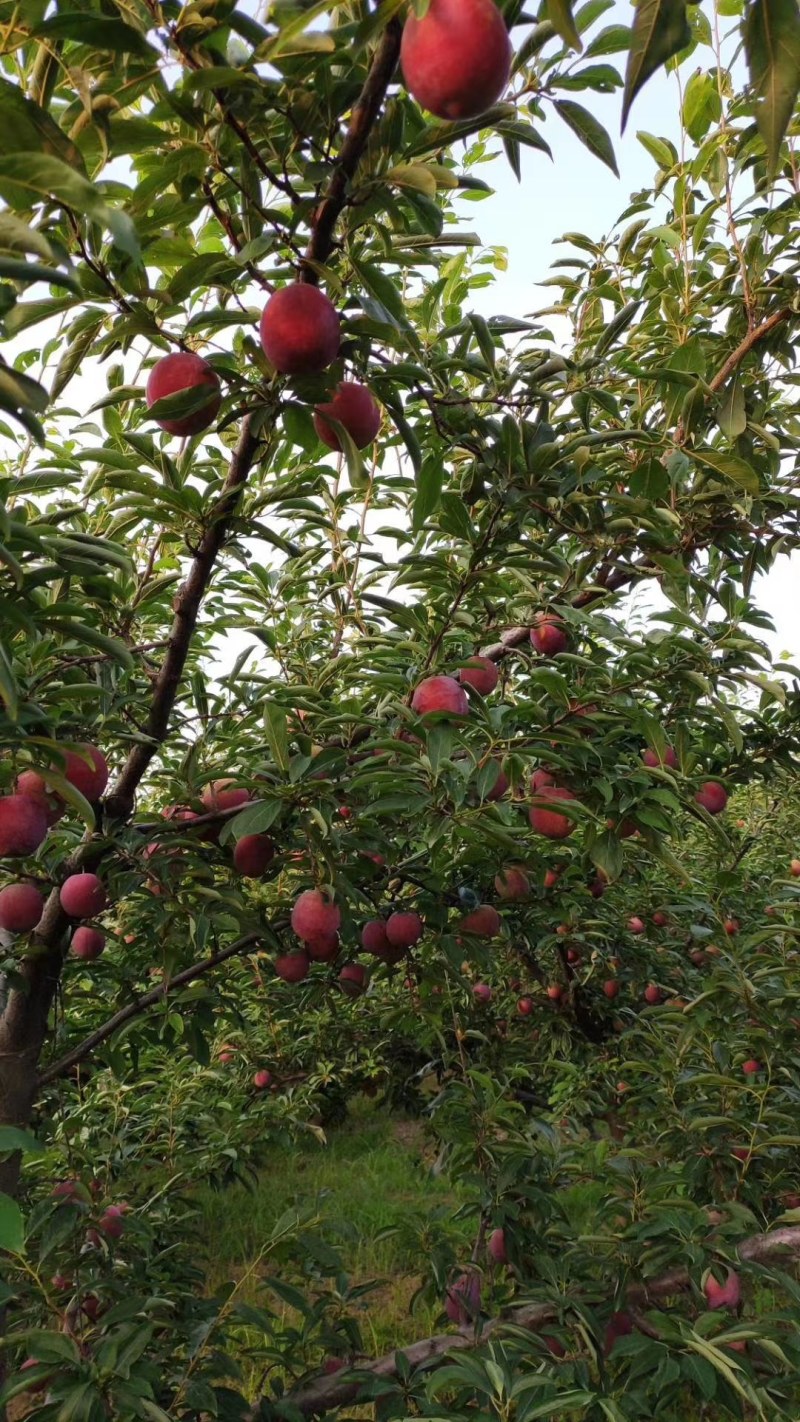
652, 759
23, 826
463, 1299
619, 1326
87, 770
183, 370
31, 784
373, 937
293, 967
525, 1006
794, 868
573, 956
497, 1246
611, 988
456, 60
652, 994
112, 1221
483, 922
751, 1067
482, 992
87, 943
324, 949
500, 787
481, 674
732, 927
315, 916
252, 855
636, 925
555, 992
551, 878
404, 929
727, 1295
547, 821
548, 634
83, 896
440, 693
353, 979
300, 330
598, 887
223, 795
660, 919
712, 796
21, 907
355, 408
262, 1080
512, 883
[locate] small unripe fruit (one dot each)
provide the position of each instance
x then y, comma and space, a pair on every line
353, 979
712, 796
21, 907
512, 883
315, 916
548, 635
403, 930
652, 994
292, 967
483, 922
636, 925
463, 1299
482, 992
651, 758
456, 60
727, 1295
87, 943
547, 821
497, 1246
525, 1006
480, 673
185, 371
83, 896
355, 409
23, 826
223, 795
442, 694
252, 855
300, 330
262, 1080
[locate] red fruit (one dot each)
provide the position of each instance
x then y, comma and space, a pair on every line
698, 957
333, 1365
546, 821
500, 787
555, 992
373, 937
573, 956
292, 967
741, 1152
463, 1300
353, 406
480, 673
353, 979
651, 758
252, 854
223, 795
611, 988
794, 867
660, 920
185, 371
482, 992
727, 1295
87, 771
20, 907
69, 1191
619, 1326
525, 1006
553, 1346
483, 922
262, 1079
512, 883
751, 1067
497, 1246
541, 780
403, 930
23, 826
652, 994
300, 330
87, 943
324, 949
732, 927
315, 916
32, 785
551, 878
62, 1282
712, 796
112, 1222
456, 60
226, 1058
548, 635
83, 896
636, 925
440, 693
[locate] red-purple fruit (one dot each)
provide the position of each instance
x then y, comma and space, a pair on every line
727, 1295
252, 855
292, 967
652, 994
497, 1246
315, 916
20, 907
619, 1326
483, 922
547, 821
525, 1006
83, 896
440, 693
456, 60
300, 330
87, 943
403, 930
112, 1222
636, 925
32, 785
482, 992
712, 796
23, 826
463, 1300
373, 937
353, 979
223, 795
751, 1067
651, 758
354, 408
183, 370
548, 635
481, 674
87, 770
512, 883
262, 1080
324, 949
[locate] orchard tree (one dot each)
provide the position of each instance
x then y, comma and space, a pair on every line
318, 640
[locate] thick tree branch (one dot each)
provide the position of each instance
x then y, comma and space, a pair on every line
141, 1004
342, 1389
362, 121
751, 339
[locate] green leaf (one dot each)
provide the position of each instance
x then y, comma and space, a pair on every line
98, 31
429, 490
559, 13
13, 1138
34, 130
277, 732
30, 178
702, 105
729, 466
732, 416
660, 29
616, 326
12, 1226
589, 130
772, 45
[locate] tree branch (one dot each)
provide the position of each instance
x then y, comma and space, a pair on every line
362, 121
323, 1394
751, 339
140, 1005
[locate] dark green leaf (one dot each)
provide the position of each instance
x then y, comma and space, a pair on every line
772, 45
589, 130
660, 29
